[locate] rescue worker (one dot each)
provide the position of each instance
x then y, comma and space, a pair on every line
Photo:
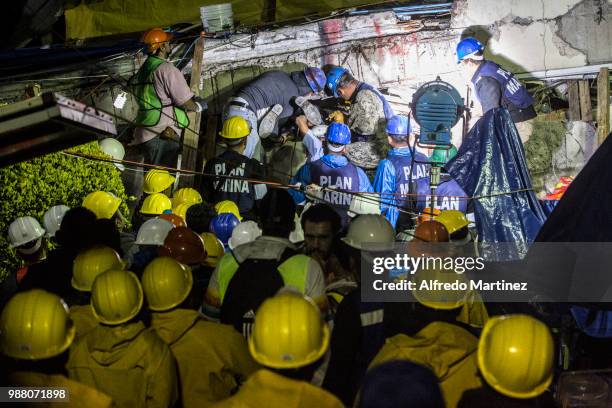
55, 272
516, 354
36, 333
212, 358
234, 163
433, 335
198, 217
163, 98
122, 357
150, 236
255, 271
448, 195
268, 101
496, 87
289, 339
334, 173
87, 266
313, 139
321, 226
27, 236
52, 219
369, 109
396, 175
155, 181
359, 327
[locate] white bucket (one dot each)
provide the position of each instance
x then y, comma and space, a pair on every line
217, 17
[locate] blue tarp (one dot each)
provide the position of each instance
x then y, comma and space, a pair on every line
492, 161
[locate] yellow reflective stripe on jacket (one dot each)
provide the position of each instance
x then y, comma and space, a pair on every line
294, 272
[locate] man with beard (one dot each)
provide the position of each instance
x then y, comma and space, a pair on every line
321, 225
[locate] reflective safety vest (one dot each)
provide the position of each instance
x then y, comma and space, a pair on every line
513, 91
294, 272
386, 106
149, 104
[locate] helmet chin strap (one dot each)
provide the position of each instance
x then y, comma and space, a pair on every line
34, 249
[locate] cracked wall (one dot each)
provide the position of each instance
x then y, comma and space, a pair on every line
535, 35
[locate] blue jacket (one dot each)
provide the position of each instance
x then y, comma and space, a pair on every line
393, 178
449, 195
330, 162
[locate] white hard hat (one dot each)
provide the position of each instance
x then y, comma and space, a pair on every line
153, 232
370, 231
245, 232
23, 230
113, 148
364, 203
52, 220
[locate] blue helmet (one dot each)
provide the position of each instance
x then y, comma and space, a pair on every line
467, 47
223, 225
316, 78
333, 79
338, 133
398, 127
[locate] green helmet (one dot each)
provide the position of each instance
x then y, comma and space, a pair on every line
442, 156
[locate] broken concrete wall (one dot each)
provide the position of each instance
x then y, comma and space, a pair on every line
535, 35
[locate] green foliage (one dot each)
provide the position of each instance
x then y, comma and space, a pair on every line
31, 187
546, 138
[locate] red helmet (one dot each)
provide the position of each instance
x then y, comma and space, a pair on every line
184, 245
155, 37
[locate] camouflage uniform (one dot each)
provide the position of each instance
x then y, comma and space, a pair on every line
367, 114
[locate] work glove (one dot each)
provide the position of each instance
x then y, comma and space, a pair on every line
336, 116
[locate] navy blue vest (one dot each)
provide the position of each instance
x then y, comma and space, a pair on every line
402, 166
449, 192
343, 178
513, 91
388, 110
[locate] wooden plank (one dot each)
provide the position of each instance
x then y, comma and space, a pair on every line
192, 134
573, 98
209, 145
603, 105
586, 111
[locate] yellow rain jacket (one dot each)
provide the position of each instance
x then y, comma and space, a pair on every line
268, 389
128, 362
448, 350
83, 318
80, 395
213, 359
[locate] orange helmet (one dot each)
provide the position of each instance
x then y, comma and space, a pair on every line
176, 220
431, 231
155, 37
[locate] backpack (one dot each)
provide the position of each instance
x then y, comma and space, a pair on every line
255, 280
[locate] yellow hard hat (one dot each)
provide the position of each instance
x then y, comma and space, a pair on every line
227, 206
156, 181
235, 127
186, 195
166, 283
515, 355
181, 210
35, 325
90, 263
453, 220
116, 296
156, 204
101, 203
214, 249
288, 332
438, 298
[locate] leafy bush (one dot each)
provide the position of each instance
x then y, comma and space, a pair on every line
31, 187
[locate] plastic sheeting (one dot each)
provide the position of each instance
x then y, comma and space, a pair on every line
100, 18
492, 161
